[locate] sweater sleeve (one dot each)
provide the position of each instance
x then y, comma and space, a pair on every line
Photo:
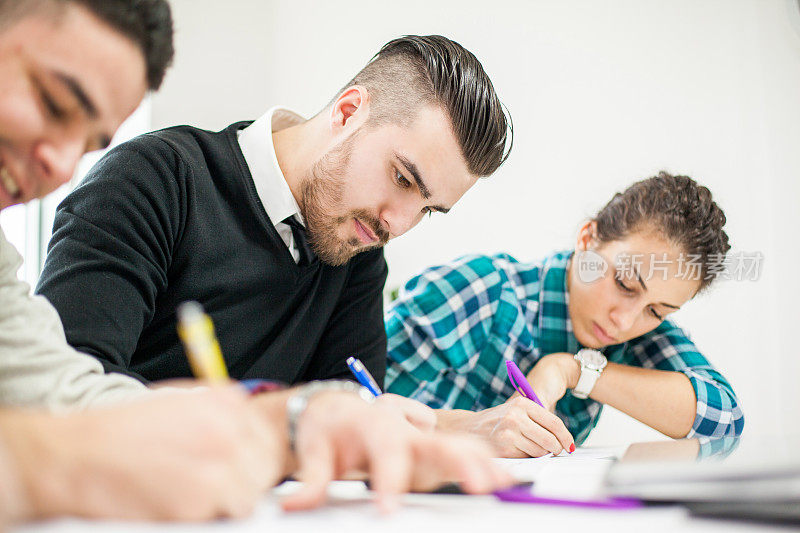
37, 366
113, 239
356, 326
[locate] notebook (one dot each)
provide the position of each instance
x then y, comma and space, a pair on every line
754, 477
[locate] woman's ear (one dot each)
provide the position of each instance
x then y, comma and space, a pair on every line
586, 236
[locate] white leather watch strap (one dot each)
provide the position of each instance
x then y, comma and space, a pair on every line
586, 382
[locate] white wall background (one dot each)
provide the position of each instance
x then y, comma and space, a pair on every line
602, 94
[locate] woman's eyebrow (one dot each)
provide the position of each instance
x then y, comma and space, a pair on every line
641, 282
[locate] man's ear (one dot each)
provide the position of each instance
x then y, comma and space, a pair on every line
586, 236
350, 110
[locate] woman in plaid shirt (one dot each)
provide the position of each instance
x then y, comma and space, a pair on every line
650, 250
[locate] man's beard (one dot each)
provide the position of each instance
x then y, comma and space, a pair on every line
322, 193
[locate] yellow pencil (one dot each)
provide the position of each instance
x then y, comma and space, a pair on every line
196, 330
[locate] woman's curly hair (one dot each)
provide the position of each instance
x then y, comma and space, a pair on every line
676, 208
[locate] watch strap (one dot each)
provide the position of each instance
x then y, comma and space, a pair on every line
590, 372
586, 382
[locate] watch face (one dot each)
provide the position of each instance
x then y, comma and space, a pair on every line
593, 359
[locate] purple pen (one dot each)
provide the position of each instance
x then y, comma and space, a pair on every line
520, 382
524, 495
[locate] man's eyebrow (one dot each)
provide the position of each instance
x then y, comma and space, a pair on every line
77, 91
104, 140
423, 189
641, 282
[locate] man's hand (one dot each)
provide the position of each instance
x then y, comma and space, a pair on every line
192, 455
417, 413
340, 433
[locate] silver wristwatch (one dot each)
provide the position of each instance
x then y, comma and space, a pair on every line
297, 403
592, 364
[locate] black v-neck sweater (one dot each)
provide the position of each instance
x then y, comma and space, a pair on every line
173, 216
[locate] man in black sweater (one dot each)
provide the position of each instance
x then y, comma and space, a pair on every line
274, 226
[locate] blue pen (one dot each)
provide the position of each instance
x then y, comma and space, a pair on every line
363, 376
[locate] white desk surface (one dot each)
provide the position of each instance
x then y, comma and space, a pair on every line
350, 509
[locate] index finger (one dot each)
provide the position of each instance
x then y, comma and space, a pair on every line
317, 470
551, 423
390, 470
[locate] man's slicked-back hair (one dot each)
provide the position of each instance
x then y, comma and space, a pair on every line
148, 23
416, 70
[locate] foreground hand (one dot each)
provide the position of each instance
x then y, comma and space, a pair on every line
418, 414
191, 455
339, 433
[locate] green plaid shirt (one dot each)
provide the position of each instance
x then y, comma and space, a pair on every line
454, 326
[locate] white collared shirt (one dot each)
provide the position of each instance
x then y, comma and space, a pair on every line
273, 191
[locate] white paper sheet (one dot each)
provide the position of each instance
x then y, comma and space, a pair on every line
577, 475
531, 468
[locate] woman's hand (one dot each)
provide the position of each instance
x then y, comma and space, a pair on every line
517, 428
551, 377
520, 427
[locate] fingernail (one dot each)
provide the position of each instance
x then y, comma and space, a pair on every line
572, 447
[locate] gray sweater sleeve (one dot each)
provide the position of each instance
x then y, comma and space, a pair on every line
37, 366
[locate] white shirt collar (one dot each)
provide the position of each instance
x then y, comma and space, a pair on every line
259, 153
